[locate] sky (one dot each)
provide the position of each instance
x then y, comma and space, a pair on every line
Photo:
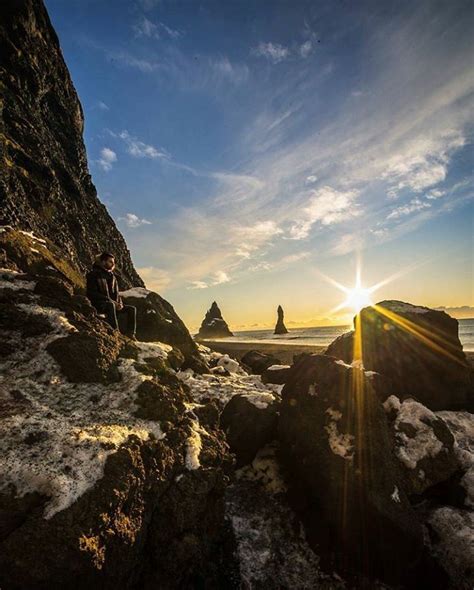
253, 152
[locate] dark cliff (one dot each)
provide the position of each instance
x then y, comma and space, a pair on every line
45, 185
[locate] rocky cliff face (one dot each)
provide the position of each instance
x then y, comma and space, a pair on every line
45, 185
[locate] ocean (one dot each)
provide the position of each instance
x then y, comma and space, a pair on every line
323, 336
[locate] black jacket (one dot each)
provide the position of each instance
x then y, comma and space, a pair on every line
102, 286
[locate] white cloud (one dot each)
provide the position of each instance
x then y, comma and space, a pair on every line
131, 220
327, 206
312, 178
220, 277
156, 279
102, 106
435, 194
139, 149
107, 158
414, 205
198, 285
306, 48
271, 51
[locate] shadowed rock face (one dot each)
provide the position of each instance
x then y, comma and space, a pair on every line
45, 185
280, 327
417, 348
213, 324
335, 442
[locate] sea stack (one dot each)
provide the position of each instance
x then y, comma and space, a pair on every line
214, 325
280, 327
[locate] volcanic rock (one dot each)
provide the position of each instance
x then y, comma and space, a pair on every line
278, 374
248, 427
157, 320
335, 442
280, 327
213, 324
417, 348
258, 362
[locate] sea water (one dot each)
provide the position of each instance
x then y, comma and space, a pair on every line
322, 336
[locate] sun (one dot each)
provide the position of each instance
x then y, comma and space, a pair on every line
358, 298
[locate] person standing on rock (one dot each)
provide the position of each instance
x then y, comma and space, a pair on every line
102, 290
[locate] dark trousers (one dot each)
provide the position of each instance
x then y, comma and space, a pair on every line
113, 315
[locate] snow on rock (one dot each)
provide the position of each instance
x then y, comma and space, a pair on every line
455, 544
222, 387
230, 365
461, 425
193, 447
424, 443
264, 469
395, 495
271, 545
401, 307
391, 403
61, 433
139, 292
341, 444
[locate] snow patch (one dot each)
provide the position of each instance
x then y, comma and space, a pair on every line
278, 367
395, 495
401, 307
138, 292
340, 444
424, 443
31, 235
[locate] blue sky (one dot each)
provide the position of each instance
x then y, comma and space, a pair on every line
246, 148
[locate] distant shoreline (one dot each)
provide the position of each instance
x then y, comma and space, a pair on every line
282, 351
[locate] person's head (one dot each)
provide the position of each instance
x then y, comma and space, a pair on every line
106, 261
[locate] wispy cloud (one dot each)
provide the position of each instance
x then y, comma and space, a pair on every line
145, 27
218, 278
271, 51
306, 48
414, 205
131, 220
107, 159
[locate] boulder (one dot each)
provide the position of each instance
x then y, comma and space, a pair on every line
248, 427
335, 442
280, 327
213, 325
417, 348
258, 362
158, 321
423, 444
278, 374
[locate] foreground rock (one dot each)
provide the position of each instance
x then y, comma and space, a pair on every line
248, 427
157, 320
280, 327
213, 325
101, 450
259, 362
417, 348
335, 442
